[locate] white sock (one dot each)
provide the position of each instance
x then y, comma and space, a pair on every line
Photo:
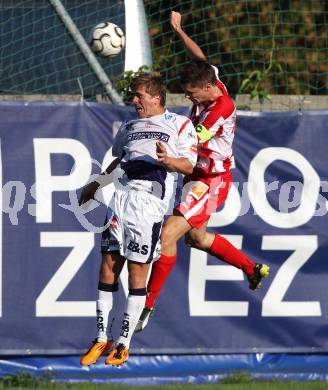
107, 308
103, 310
133, 310
118, 301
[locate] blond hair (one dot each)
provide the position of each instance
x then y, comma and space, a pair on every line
153, 83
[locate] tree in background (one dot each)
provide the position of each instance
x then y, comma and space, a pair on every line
238, 37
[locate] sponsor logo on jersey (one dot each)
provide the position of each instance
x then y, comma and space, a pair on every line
199, 189
158, 135
170, 117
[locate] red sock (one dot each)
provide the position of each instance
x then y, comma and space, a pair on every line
225, 251
159, 273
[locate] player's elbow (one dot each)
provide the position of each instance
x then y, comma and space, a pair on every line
183, 165
188, 168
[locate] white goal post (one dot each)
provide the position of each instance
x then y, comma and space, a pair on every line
137, 51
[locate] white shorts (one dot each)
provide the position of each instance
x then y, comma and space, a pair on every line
134, 225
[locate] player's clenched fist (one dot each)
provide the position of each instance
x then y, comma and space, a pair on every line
161, 152
175, 20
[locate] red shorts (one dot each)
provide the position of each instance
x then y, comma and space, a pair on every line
202, 195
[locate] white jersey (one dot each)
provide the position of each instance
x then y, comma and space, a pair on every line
142, 196
135, 145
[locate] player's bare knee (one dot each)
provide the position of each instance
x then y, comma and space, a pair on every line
106, 275
137, 274
136, 284
136, 281
167, 237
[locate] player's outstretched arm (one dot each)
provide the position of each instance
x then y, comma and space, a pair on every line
90, 190
172, 164
194, 51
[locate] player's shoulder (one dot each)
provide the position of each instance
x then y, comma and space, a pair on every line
225, 103
222, 107
178, 119
127, 124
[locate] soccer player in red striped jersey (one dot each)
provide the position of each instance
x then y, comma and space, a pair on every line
214, 116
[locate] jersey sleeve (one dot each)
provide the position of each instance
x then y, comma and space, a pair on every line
117, 149
210, 123
187, 141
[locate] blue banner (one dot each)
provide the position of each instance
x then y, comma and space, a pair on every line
143, 370
276, 212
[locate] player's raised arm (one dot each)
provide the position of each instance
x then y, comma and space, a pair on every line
194, 51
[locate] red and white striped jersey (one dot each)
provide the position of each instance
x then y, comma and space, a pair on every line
215, 155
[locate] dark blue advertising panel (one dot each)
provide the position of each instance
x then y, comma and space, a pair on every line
276, 212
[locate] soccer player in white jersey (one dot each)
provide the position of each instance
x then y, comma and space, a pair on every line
150, 150
214, 115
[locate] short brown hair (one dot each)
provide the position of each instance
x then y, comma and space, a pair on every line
153, 83
197, 73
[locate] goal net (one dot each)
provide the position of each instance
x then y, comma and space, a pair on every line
260, 46
281, 44
38, 54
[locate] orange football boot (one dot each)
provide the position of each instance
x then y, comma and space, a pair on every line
118, 355
97, 349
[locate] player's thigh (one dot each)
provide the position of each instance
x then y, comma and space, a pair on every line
175, 227
111, 267
142, 224
200, 198
111, 238
137, 274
